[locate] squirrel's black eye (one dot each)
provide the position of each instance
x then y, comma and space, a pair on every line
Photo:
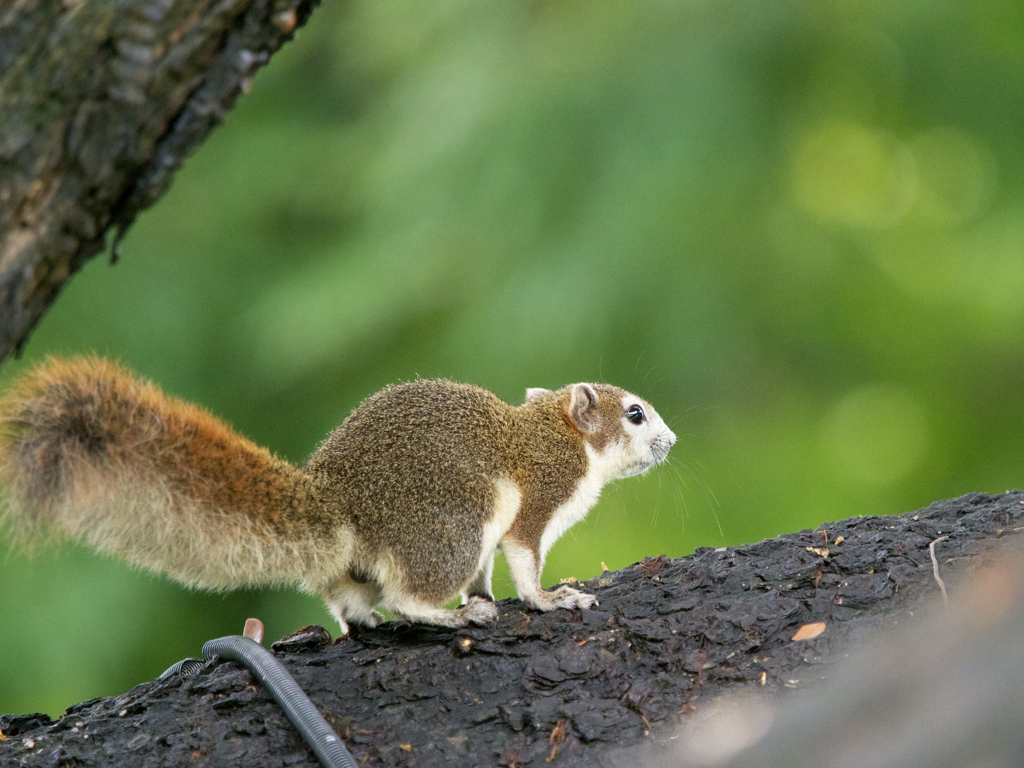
635, 414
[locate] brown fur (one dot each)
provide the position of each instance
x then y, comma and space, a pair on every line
449, 440
394, 505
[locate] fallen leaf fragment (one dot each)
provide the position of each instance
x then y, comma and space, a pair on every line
807, 631
652, 565
556, 738
405, 747
557, 733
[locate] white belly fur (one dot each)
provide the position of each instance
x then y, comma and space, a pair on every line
576, 506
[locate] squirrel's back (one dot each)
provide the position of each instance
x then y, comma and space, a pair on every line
88, 449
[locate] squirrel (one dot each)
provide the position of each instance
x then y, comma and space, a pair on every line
404, 504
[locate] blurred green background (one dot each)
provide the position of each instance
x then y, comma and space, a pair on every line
797, 228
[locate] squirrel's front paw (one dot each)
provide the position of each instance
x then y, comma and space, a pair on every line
563, 597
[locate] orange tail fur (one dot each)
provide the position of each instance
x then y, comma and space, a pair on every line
89, 450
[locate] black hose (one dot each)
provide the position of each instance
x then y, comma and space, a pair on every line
296, 705
184, 668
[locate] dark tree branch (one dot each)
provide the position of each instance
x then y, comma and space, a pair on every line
669, 638
100, 103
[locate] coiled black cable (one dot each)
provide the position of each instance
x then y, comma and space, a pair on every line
184, 668
282, 686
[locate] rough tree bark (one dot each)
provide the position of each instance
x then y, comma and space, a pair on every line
943, 691
100, 102
582, 688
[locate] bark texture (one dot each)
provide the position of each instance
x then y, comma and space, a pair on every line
599, 687
100, 102
943, 691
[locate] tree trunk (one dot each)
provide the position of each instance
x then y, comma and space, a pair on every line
580, 687
100, 103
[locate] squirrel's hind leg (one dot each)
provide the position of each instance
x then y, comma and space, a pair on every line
480, 584
478, 610
477, 602
352, 600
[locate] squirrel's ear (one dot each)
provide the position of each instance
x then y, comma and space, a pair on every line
582, 407
533, 393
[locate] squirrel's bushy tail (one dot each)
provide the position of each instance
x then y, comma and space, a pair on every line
90, 450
